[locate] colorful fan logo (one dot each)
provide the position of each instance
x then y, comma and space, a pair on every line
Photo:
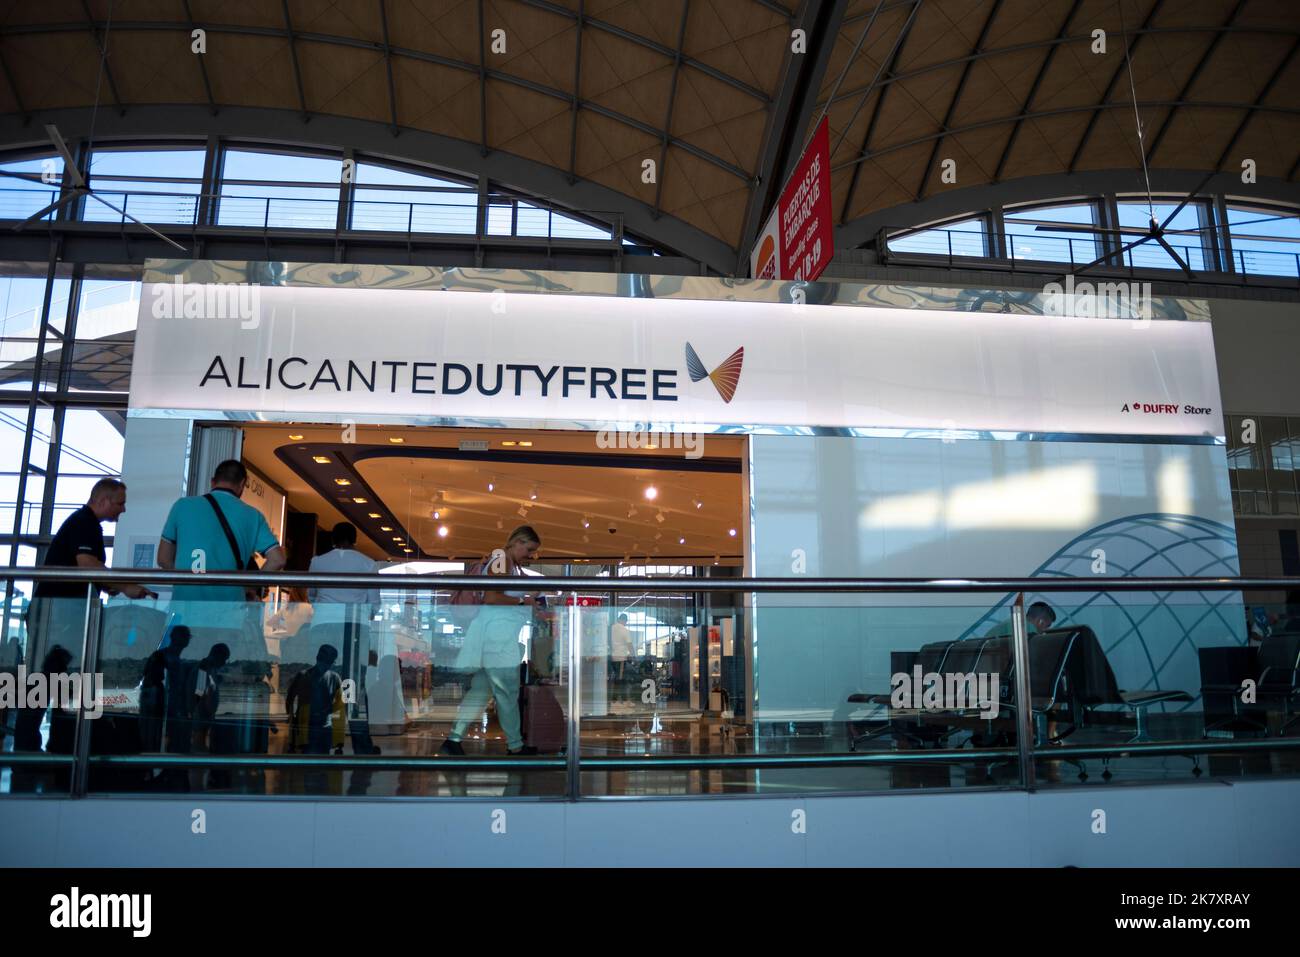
725, 377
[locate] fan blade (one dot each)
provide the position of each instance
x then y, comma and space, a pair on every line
69, 164
123, 212
1120, 252
1177, 258
62, 201
1187, 199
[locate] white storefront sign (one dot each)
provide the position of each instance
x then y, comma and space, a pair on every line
566, 359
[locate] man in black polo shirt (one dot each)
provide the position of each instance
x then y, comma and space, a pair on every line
57, 615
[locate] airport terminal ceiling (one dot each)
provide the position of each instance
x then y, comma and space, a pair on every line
399, 477
571, 100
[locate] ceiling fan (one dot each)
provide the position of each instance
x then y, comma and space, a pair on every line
78, 189
79, 186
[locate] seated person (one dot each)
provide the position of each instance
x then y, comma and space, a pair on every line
1038, 617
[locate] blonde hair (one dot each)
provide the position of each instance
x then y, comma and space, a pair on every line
524, 533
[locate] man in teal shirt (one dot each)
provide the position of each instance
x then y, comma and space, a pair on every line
193, 539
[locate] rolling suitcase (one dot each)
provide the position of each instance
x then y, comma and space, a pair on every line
540, 719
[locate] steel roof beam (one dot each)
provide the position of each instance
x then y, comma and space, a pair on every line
1192, 78
1033, 92
203, 66
388, 66
956, 96
672, 98
293, 55
1063, 111
1114, 78
101, 44
875, 113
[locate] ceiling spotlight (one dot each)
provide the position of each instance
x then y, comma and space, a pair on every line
526, 445
731, 532
385, 528
533, 494
375, 515
586, 522
436, 514
407, 550
443, 531
491, 485
651, 492
321, 459
295, 438
342, 482
396, 439
396, 539
697, 503
359, 500
509, 443
681, 541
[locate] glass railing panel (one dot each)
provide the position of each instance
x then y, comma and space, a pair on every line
43, 683
791, 695
334, 699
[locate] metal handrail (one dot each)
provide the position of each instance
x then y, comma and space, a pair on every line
156, 576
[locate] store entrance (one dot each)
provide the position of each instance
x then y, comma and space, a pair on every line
437, 500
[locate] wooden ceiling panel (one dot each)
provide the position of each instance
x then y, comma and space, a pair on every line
127, 11
437, 98
1161, 70
344, 81
1075, 77
512, 115
997, 87
942, 31
625, 76
1112, 144
741, 38
52, 11
256, 71
914, 107
701, 194
610, 153
250, 13
1044, 146
1189, 13
145, 74
1197, 137
539, 44
1268, 15
450, 29
976, 154
336, 18
1272, 140
660, 22
887, 181
53, 70
715, 117
1025, 21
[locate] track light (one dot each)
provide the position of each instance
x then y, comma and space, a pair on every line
443, 531
586, 522
731, 532
533, 493
697, 503
681, 541
651, 493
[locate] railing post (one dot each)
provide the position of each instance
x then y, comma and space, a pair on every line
266, 215
89, 666
948, 234
572, 770
410, 217
1024, 699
